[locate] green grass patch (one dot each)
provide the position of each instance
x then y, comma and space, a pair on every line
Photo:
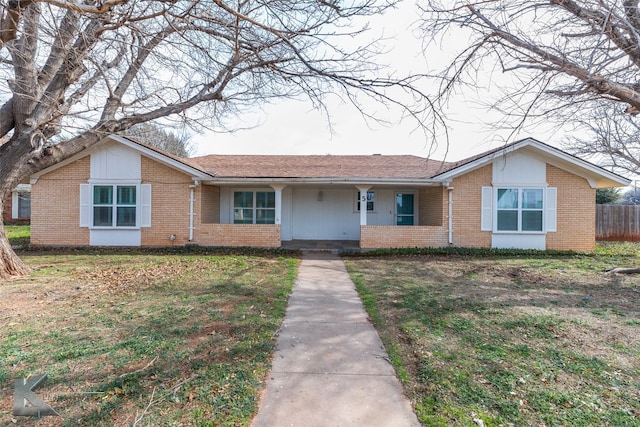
157, 339
18, 235
509, 339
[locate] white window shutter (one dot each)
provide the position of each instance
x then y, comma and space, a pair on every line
145, 205
486, 216
551, 210
14, 205
85, 205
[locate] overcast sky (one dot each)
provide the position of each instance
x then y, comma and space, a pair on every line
294, 127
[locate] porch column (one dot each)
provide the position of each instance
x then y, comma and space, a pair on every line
278, 188
363, 203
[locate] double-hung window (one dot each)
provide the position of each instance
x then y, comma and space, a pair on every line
114, 205
254, 207
520, 209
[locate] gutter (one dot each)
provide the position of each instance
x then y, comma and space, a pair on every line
329, 181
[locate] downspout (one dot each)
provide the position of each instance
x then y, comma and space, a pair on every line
450, 214
192, 200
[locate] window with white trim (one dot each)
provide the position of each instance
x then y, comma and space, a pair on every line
21, 208
520, 209
254, 207
115, 206
371, 201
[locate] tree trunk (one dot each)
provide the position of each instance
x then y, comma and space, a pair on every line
10, 264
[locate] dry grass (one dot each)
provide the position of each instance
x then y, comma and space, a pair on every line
143, 339
545, 341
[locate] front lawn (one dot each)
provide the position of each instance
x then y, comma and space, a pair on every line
143, 339
510, 340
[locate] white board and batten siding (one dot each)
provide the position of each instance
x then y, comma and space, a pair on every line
116, 164
518, 170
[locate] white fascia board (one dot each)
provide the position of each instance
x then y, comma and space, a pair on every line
597, 176
594, 174
196, 174
324, 181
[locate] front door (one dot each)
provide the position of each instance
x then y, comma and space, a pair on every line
404, 209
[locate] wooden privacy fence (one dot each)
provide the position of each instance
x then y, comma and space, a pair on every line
618, 222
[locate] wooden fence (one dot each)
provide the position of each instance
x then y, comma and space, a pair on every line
618, 222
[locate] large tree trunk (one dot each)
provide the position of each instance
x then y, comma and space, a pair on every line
10, 264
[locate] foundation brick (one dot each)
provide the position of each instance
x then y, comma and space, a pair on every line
256, 235
389, 236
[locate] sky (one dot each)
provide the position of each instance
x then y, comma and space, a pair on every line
295, 127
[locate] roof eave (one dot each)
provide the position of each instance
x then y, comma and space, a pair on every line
597, 176
326, 181
196, 174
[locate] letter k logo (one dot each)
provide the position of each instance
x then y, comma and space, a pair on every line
25, 401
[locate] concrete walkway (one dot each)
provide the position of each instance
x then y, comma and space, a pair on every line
330, 368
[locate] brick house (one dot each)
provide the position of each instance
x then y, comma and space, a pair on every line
123, 193
17, 207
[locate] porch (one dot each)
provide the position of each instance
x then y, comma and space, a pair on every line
322, 245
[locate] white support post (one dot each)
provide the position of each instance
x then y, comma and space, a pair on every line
278, 189
363, 203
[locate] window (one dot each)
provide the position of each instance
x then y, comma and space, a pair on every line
371, 199
254, 207
519, 209
21, 205
114, 205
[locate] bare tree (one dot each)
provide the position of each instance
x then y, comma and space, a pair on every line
75, 71
564, 59
156, 136
608, 136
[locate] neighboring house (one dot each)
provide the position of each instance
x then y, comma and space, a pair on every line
123, 193
17, 208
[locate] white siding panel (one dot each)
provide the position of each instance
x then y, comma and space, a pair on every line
385, 208
518, 241
115, 162
519, 169
115, 238
331, 218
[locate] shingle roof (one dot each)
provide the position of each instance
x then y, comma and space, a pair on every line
327, 166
